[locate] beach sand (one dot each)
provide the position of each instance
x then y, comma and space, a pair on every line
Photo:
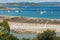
31, 24
33, 27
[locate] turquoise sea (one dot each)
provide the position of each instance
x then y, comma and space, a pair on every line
33, 11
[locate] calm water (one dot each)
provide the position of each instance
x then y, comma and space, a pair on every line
27, 35
24, 35
33, 11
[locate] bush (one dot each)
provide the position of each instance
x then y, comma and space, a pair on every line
5, 33
47, 35
6, 25
25, 39
7, 36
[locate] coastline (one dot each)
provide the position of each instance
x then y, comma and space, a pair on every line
30, 17
20, 24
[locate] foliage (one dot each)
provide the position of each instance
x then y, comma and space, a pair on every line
1, 33
25, 39
5, 34
5, 25
47, 35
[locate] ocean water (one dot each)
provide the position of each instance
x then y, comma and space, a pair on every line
33, 11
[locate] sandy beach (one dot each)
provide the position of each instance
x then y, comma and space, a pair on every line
32, 25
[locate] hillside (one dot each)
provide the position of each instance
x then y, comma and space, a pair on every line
30, 4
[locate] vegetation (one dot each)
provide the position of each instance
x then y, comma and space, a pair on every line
7, 36
25, 39
5, 33
33, 20
5, 25
47, 35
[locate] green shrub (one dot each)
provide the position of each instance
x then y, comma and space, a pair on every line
25, 39
5, 34
47, 35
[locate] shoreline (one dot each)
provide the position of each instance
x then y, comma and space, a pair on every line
30, 17
27, 24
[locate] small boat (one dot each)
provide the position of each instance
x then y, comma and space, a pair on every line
42, 12
17, 11
8, 11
